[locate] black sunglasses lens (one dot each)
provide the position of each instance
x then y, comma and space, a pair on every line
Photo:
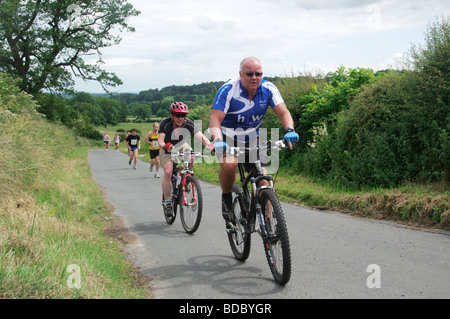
250, 74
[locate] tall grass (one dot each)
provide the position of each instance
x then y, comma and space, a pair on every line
52, 214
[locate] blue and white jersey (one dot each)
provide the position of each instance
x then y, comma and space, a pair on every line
243, 117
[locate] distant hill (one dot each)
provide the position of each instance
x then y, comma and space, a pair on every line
173, 92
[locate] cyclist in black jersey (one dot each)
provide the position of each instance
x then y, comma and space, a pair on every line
174, 134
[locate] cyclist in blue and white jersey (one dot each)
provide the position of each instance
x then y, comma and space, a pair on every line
237, 113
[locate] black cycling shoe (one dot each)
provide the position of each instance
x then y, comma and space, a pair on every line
226, 212
168, 209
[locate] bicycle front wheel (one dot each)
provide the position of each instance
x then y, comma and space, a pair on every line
276, 243
191, 205
239, 238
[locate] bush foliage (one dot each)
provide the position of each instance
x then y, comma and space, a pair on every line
364, 130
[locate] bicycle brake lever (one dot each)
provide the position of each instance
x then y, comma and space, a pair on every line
280, 144
234, 151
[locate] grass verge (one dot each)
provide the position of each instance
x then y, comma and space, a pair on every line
417, 205
53, 218
57, 228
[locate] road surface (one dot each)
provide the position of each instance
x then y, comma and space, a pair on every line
333, 255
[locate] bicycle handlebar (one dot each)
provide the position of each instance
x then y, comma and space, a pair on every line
184, 154
273, 145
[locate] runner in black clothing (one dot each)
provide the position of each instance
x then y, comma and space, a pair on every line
134, 144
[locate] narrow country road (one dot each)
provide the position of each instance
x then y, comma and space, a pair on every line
333, 255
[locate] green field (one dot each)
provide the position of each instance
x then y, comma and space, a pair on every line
144, 128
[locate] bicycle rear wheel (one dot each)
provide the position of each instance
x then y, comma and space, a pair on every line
191, 205
239, 238
276, 244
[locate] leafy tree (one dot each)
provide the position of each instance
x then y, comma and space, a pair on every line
294, 90
162, 112
433, 58
44, 42
325, 101
143, 111
84, 127
92, 110
111, 109
82, 97
58, 110
432, 63
123, 112
55, 108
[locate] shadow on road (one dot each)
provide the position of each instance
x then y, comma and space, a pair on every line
229, 277
159, 228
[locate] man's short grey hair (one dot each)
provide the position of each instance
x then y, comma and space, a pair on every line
250, 58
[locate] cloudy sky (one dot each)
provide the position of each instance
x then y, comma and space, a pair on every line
189, 42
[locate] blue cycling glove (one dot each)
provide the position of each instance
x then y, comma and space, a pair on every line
220, 147
291, 135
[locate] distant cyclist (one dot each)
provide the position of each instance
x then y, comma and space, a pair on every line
134, 144
174, 135
152, 140
237, 113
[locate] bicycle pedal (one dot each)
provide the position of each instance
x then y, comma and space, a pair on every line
168, 213
231, 227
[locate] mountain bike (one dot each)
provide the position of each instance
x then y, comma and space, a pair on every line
258, 209
186, 192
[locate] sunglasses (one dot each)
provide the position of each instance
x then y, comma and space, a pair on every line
180, 115
251, 74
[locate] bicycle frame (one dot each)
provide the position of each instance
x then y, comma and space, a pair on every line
252, 201
184, 170
186, 192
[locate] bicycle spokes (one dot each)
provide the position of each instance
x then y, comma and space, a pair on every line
276, 241
191, 204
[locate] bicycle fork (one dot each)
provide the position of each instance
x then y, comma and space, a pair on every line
260, 227
184, 188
